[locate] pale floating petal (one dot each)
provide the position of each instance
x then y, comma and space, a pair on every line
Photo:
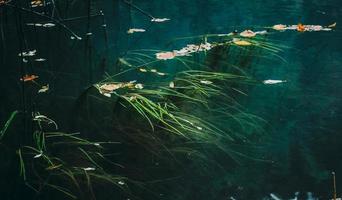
142, 70
154, 70
199, 128
44, 89
134, 30
38, 155
270, 82
172, 84
332, 25
40, 59
97, 144
161, 73
206, 82
89, 169
159, 19
34, 24
139, 86
107, 94
121, 183
49, 25
264, 32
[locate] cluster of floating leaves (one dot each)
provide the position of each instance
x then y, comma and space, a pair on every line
46, 25
192, 48
186, 51
154, 71
107, 89
37, 3
303, 28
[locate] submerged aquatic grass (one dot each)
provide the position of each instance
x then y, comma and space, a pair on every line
183, 103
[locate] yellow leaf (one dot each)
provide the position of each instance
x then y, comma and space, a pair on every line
242, 42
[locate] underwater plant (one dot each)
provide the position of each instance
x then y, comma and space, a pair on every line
178, 112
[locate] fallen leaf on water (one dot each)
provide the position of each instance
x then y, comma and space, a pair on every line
44, 88
36, 3
247, 33
332, 25
270, 82
29, 78
142, 70
172, 84
111, 86
154, 70
48, 25
121, 183
300, 27
139, 86
241, 42
159, 19
165, 55
40, 59
279, 27
206, 82
161, 73
133, 30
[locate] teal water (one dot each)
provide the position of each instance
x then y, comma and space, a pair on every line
297, 149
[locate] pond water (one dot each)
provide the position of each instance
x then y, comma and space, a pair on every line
133, 99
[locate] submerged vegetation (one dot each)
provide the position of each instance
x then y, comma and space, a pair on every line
176, 112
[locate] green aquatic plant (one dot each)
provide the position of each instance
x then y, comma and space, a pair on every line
8, 123
44, 166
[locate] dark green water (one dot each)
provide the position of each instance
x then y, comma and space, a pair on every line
301, 142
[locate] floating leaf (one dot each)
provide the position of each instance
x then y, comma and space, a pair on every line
206, 82
241, 42
133, 30
29, 78
332, 25
270, 82
279, 27
165, 55
40, 59
159, 19
247, 33
300, 27
44, 88
142, 70
139, 86
172, 84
